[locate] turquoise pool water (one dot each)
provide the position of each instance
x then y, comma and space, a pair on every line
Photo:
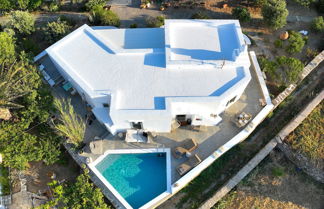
138, 178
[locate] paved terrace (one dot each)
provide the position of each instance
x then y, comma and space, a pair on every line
208, 138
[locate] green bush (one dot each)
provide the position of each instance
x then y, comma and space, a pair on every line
54, 31
94, 3
100, 16
275, 13
278, 43
296, 42
291, 68
242, 14
278, 171
20, 4
269, 67
155, 22
134, 25
200, 15
318, 24
305, 3
22, 22
53, 7
7, 47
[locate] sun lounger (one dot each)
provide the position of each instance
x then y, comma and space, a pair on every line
192, 162
188, 145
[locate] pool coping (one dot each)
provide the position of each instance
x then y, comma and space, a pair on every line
152, 202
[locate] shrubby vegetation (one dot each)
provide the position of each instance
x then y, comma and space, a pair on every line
155, 22
242, 14
275, 13
30, 104
290, 69
305, 3
78, 195
93, 3
100, 16
21, 22
308, 137
20, 4
296, 42
7, 47
318, 24
200, 15
54, 31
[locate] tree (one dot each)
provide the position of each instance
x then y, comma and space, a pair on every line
296, 42
22, 22
100, 16
318, 24
155, 22
7, 47
200, 15
275, 13
12, 84
305, 3
93, 3
80, 195
54, 31
241, 13
71, 124
6, 5
291, 68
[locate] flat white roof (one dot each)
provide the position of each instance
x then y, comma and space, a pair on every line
131, 63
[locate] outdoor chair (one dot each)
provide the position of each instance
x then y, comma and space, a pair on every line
192, 162
187, 146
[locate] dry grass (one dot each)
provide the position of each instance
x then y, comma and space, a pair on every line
308, 138
264, 189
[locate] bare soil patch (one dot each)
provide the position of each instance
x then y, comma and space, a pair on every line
264, 188
39, 175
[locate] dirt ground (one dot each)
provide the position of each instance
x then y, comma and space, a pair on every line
38, 174
266, 187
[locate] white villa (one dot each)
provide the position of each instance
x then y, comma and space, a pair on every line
193, 73
146, 78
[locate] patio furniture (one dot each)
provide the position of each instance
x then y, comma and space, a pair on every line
188, 145
192, 162
242, 119
67, 86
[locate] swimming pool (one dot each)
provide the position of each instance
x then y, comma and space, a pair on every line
138, 177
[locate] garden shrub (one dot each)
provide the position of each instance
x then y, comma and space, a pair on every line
278, 43
242, 14
278, 171
134, 25
156, 22
318, 24
291, 68
296, 42
54, 31
21, 21
200, 15
100, 16
305, 3
94, 3
269, 67
275, 13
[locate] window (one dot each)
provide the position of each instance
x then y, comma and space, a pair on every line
137, 125
231, 101
181, 118
105, 105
